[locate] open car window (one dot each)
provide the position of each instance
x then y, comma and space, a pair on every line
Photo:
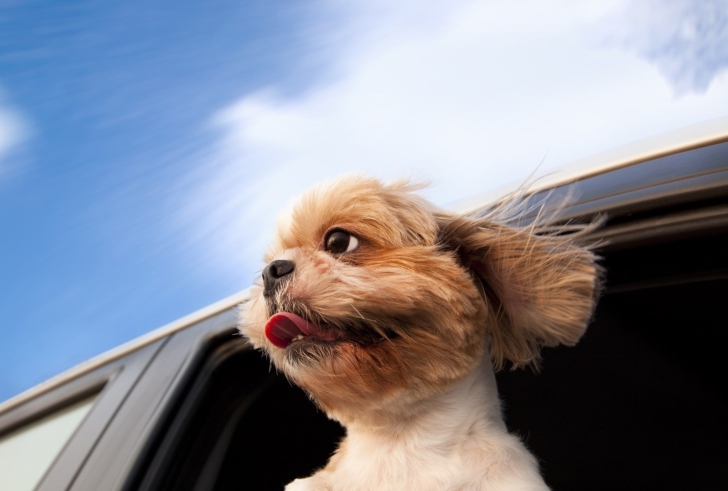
639, 400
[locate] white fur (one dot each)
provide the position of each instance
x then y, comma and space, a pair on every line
459, 442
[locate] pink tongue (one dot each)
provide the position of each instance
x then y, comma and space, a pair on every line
284, 326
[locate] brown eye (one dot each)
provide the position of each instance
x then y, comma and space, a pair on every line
338, 242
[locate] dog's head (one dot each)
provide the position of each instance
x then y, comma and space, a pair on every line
373, 299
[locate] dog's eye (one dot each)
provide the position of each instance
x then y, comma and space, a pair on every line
338, 242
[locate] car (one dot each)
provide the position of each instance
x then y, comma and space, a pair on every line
637, 404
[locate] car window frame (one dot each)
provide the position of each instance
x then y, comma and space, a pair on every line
110, 384
143, 416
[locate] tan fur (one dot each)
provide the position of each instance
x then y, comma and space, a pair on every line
426, 290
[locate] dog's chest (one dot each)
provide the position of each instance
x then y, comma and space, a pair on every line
367, 463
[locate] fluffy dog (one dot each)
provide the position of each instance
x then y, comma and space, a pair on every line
393, 315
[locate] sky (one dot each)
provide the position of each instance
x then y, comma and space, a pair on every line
147, 147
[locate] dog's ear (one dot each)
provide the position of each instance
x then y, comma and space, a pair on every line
541, 289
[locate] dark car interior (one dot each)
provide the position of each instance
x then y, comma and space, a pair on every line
639, 403
243, 426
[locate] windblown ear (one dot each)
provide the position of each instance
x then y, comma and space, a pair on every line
541, 289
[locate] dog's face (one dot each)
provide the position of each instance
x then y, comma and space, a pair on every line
372, 299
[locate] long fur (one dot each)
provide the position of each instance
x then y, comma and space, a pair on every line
427, 306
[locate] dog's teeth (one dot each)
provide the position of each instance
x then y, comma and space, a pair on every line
298, 338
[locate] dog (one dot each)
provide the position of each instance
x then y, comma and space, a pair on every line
393, 315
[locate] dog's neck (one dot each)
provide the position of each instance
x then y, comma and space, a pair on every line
455, 440
468, 405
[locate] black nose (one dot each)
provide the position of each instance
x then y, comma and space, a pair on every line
274, 273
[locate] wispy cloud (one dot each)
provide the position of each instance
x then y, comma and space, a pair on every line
469, 95
13, 131
686, 40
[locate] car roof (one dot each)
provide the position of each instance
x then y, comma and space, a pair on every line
598, 166
674, 142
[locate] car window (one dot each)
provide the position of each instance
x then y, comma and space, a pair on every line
622, 403
228, 431
27, 453
641, 399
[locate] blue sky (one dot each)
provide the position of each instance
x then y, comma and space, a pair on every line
146, 147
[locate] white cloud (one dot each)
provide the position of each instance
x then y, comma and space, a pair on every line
686, 40
469, 95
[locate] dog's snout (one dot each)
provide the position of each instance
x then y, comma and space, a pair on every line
274, 273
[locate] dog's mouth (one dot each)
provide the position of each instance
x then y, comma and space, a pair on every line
285, 328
